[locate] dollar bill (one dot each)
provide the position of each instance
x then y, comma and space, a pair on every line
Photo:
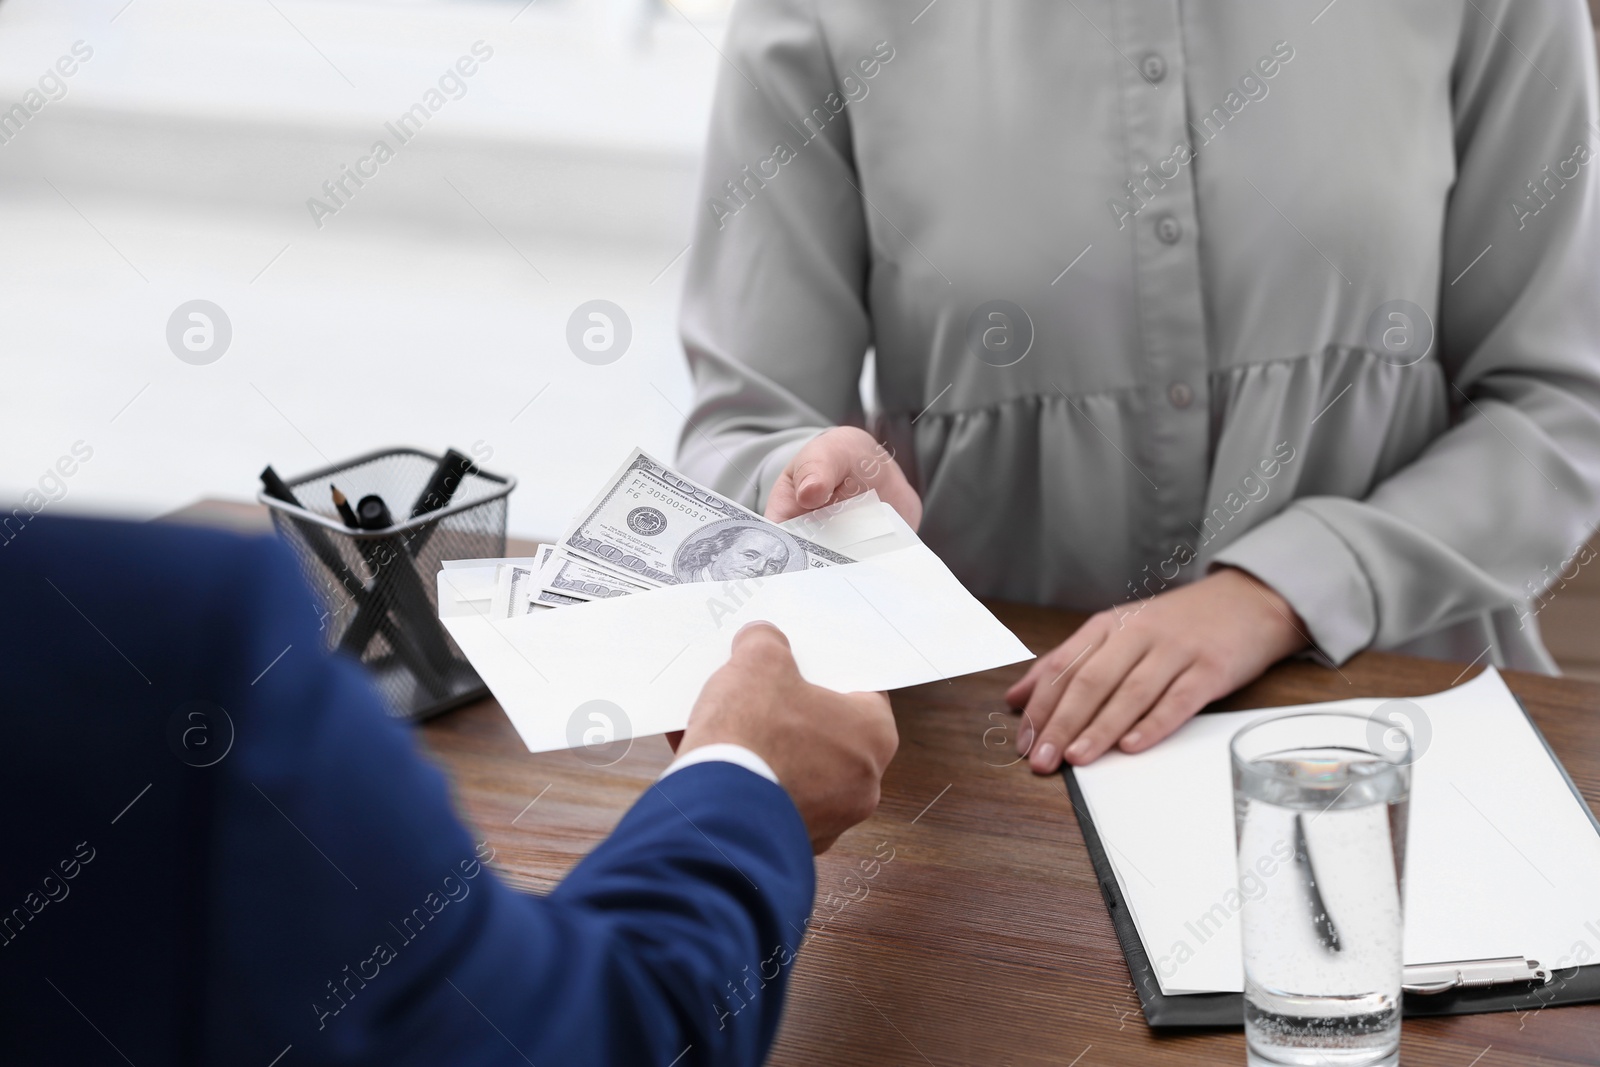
552, 580
658, 528
517, 587
546, 598
570, 576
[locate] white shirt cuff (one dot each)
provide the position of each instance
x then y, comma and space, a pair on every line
722, 753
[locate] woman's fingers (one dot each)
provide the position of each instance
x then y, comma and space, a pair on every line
1053, 664
838, 464
1021, 689
1147, 670
1143, 687
1052, 683
820, 468
783, 502
895, 490
781, 506
1036, 695
1189, 692
1102, 670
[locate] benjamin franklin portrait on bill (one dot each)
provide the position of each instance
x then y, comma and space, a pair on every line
728, 552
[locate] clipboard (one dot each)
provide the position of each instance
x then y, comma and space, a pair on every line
1225, 1011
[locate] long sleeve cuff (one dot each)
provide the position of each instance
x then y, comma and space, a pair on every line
723, 752
1311, 567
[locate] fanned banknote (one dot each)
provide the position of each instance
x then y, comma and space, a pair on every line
652, 526
567, 575
518, 589
545, 598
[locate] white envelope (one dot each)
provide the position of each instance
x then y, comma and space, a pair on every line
898, 617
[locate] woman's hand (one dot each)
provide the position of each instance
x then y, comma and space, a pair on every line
1132, 675
838, 464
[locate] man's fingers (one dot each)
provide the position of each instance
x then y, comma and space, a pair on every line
760, 655
1188, 693
872, 702
1091, 684
884, 740
757, 635
1138, 693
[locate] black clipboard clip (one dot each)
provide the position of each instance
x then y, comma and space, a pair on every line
1426, 979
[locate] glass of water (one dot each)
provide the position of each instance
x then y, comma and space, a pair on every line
1320, 801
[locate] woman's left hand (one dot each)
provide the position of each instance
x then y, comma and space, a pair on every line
1132, 675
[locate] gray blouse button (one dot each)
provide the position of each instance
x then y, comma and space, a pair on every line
1180, 394
1153, 67
1168, 229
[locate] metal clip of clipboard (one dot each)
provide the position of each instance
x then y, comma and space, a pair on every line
1425, 979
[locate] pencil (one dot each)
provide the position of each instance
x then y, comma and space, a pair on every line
342, 504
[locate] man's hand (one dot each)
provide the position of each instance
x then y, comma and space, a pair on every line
836, 465
1132, 675
829, 750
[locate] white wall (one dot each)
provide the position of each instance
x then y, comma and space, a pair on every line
428, 310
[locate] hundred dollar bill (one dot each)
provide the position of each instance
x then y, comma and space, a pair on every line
546, 598
499, 605
659, 528
568, 575
517, 588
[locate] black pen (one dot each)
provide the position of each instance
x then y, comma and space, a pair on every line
1327, 933
277, 487
442, 484
318, 542
447, 477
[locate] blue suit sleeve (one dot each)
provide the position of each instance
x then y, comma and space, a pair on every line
359, 923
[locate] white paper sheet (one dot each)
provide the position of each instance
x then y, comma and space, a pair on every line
1502, 858
896, 618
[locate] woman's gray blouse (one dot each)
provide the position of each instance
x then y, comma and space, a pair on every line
1310, 289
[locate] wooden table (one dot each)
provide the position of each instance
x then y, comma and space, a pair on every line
984, 940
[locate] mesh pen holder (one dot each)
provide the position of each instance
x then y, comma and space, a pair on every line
378, 586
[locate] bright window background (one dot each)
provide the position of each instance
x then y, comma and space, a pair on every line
430, 310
